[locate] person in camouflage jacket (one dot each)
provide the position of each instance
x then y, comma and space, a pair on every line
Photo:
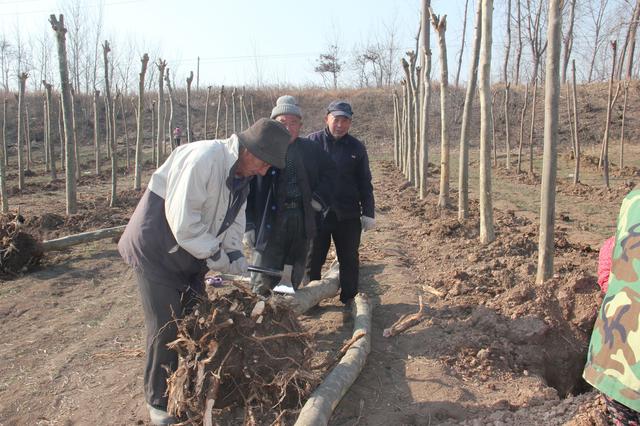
613, 361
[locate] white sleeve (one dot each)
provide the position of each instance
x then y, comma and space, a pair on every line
187, 191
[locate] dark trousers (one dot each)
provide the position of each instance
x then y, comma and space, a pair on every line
287, 245
346, 238
161, 305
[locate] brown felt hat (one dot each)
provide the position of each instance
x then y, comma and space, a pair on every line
268, 140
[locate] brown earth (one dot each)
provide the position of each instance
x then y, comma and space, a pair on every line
494, 348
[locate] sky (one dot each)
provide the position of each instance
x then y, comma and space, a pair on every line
243, 41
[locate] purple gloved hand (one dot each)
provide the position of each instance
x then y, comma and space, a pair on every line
213, 281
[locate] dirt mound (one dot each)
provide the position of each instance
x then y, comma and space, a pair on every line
19, 250
241, 357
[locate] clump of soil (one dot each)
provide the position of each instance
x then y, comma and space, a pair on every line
18, 250
240, 356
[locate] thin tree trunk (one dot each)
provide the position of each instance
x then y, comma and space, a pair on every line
463, 169
605, 143
519, 51
220, 95
240, 104
507, 131
532, 127
20, 129
171, 103
206, 112
50, 151
624, 113
549, 164
127, 154
440, 27
507, 49
61, 135
493, 129
111, 118
522, 118
633, 27
487, 234
570, 120
107, 135
3, 179
410, 125
576, 140
189, 128
27, 136
568, 41
4, 133
96, 129
464, 35
58, 27
137, 182
161, 136
154, 144
426, 101
233, 110
76, 147
395, 128
46, 139
226, 118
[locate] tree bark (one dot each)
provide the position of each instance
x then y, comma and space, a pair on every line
233, 110
440, 27
3, 166
519, 51
84, 237
27, 137
140, 125
410, 125
311, 294
171, 103
487, 234
127, 155
154, 142
4, 133
507, 49
532, 126
425, 59
507, 131
463, 169
59, 28
552, 110
50, 151
76, 147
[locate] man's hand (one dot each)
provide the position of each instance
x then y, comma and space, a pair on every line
249, 239
315, 205
368, 223
219, 262
239, 265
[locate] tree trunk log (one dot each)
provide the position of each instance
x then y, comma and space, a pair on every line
319, 407
310, 295
84, 237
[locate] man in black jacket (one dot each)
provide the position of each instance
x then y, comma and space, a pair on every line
284, 206
352, 210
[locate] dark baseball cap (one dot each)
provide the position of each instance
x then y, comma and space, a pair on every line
337, 108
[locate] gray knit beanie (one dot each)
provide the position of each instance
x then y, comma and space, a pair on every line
268, 140
286, 105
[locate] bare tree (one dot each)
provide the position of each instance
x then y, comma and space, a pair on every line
161, 125
22, 78
507, 48
6, 56
96, 129
576, 140
532, 126
463, 169
206, 111
111, 119
440, 27
425, 62
233, 110
520, 44
4, 133
50, 157
487, 234
3, 167
464, 35
568, 39
523, 114
535, 27
624, 114
329, 65
171, 102
140, 116
629, 47
220, 95
189, 81
552, 110
60, 30
507, 130
605, 142
409, 122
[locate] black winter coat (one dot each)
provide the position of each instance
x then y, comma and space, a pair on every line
316, 178
353, 196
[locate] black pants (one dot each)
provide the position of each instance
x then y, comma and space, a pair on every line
346, 237
159, 303
287, 245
